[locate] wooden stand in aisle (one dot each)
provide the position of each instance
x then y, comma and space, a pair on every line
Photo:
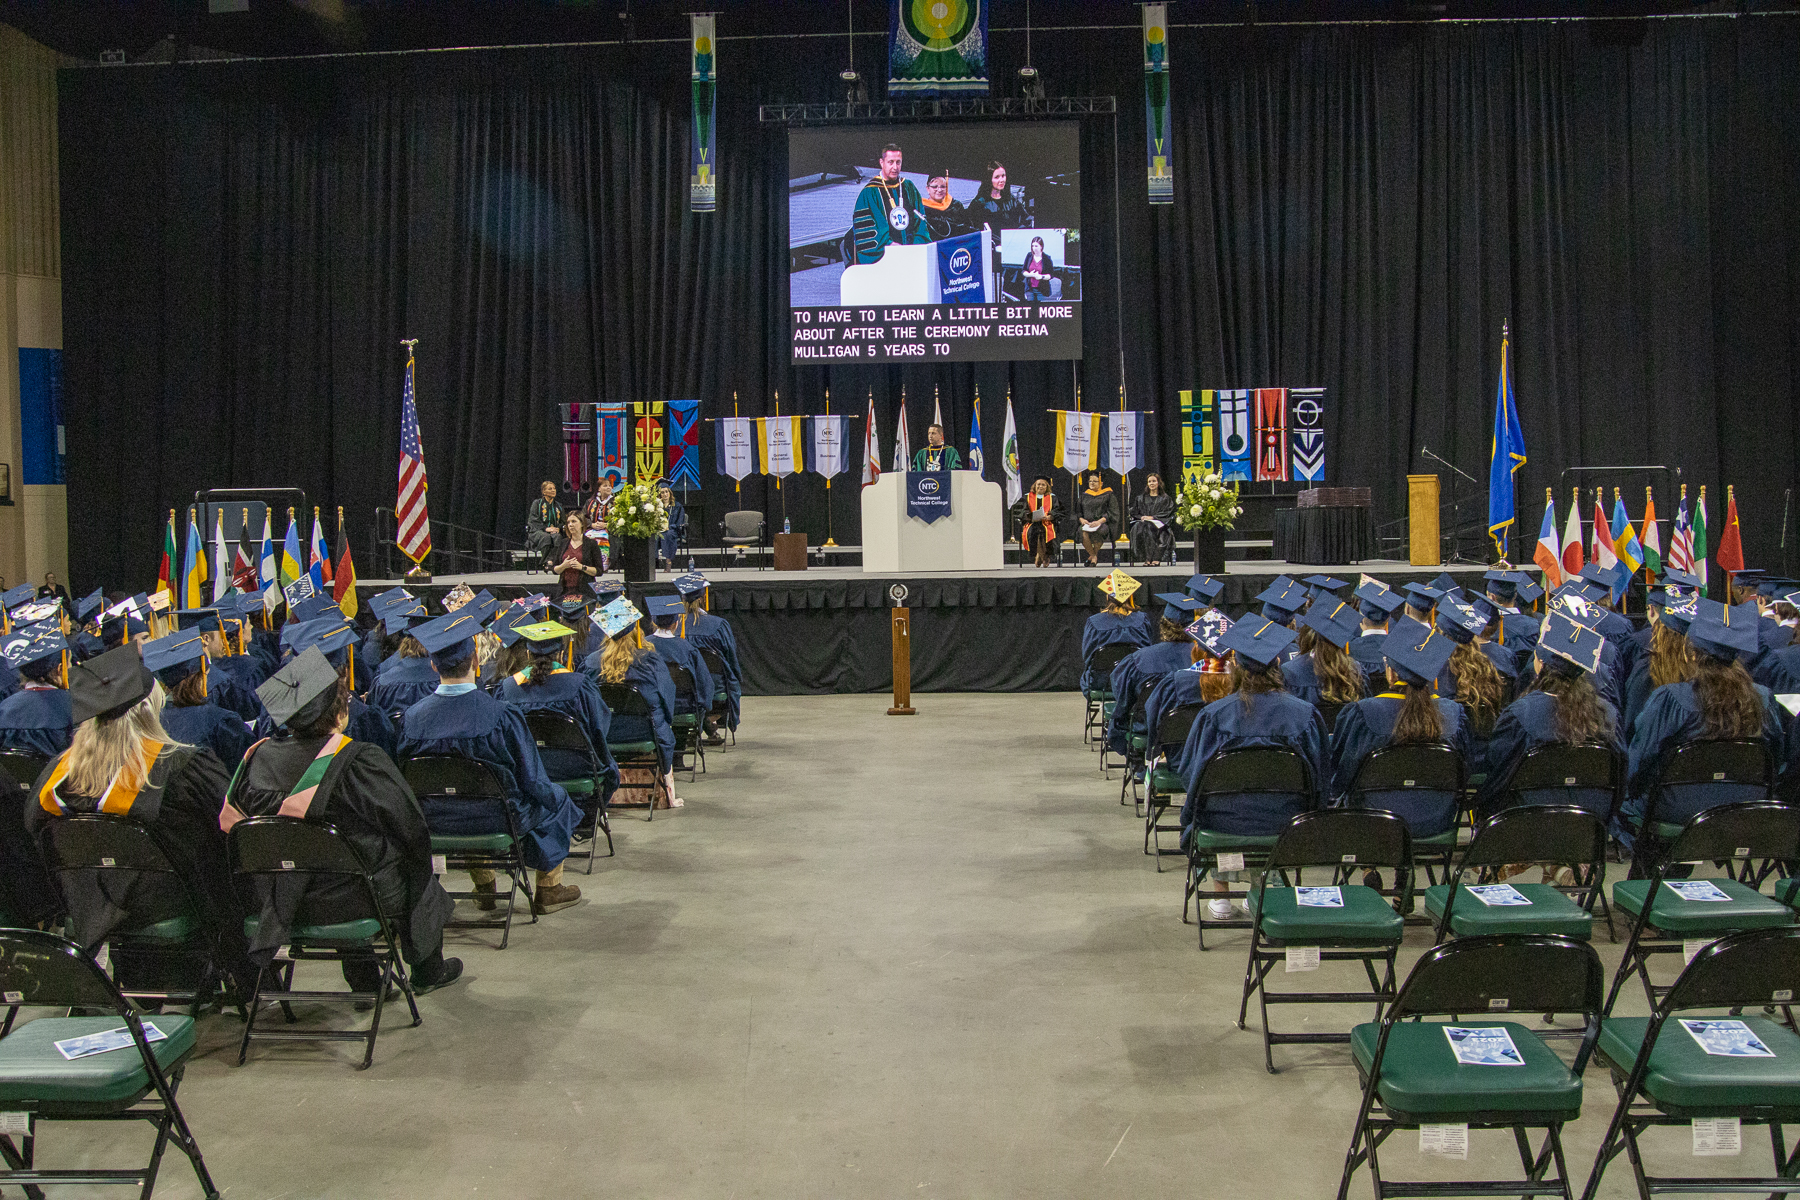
902, 664
1423, 549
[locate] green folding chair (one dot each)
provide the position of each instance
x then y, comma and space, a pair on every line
1164, 788
556, 731
457, 793
1099, 697
626, 701
1558, 836
1282, 787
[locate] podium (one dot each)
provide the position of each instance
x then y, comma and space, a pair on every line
959, 270
971, 538
1423, 549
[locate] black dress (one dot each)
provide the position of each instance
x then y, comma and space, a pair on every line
1103, 506
1153, 543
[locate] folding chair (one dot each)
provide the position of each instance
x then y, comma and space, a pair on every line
23, 766
562, 734
1099, 697
472, 825
686, 724
1559, 835
1589, 776
1424, 784
1665, 1074
120, 850
1163, 786
1664, 918
1363, 927
624, 701
1135, 741
1411, 1074
133, 1083
1733, 771
1279, 786
721, 701
276, 853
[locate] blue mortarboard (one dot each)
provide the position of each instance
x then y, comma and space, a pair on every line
674, 606
1444, 582
617, 617
1483, 607
29, 645
1773, 586
13, 597
314, 607
1422, 595
89, 605
1527, 590
40, 610
606, 590
448, 631
1416, 652
1679, 614
382, 601
401, 617
1747, 576
1177, 607
1680, 579
1792, 598
1722, 632
1562, 640
1324, 583
506, 625
206, 620
332, 635
1210, 631
691, 584
1284, 594
1500, 583
174, 657
1257, 641
1333, 620
1376, 603
1204, 588
1458, 622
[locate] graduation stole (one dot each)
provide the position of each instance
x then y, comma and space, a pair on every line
522, 676
120, 794
299, 800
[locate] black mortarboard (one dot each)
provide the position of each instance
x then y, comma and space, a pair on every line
302, 691
108, 685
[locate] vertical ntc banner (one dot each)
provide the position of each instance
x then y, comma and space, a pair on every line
1124, 441
1199, 448
1234, 434
937, 48
1077, 440
735, 451
609, 444
703, 167
1306, 428
684, 443
827, 445
1156, 102
778, 444
1271, 435
648, 451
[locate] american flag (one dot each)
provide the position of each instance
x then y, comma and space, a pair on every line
414, 519
1681, 543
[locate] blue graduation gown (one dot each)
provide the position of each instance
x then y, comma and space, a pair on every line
402, 683
371, 724
86, 645
36, 719
1365, 648
1519, 630
481, 727
1272, 719
1136, 671
650, 678
1368, 725
224, 689
265, 648
1168, 694
209, 727
9, 680
1670, 719
714, 633
1783, 670
1104, 629
668, 541
1527, 723
685, 654
244, 669
574, 695
368, 654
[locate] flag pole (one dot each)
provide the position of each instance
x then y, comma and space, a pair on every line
829, 539
738, 484
1124, 476
778, 490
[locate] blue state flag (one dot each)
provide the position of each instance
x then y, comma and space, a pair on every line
977, 456
1507, 454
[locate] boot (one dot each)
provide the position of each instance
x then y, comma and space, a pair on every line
553, 897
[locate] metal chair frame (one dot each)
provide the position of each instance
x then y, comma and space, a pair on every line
553, 730
1101, 665
1171, 732
1424, 767
689, 746
625, 700
715, 666
1561, 835
1260, 770
421, 772
728, 539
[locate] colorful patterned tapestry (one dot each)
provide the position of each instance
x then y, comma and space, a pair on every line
1199, 447
1156, 102
937, 48
1271, 435
703, 165
648, 450
609, 442
1306, 428
1234, 434
684, 444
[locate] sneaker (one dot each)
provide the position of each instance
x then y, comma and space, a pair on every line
1244, 906
1219, 909
451, 972
555, 899
485, 898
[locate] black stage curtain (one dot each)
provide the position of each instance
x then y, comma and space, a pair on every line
1360, 208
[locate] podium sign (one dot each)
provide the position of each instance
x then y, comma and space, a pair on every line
928, 495
964, 269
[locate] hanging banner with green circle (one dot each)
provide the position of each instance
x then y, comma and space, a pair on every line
938, 48
1156, 103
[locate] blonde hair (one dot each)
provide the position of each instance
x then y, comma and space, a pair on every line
101, 748
620, 652
487, 649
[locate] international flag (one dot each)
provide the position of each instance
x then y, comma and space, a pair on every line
165, 574
977, 455
1625, 541
412, 514
243, 566
293, 559
902, 442
1548, 555
1700, 541
222, 573
871, 448
1652, 539
1009, 456
1572, 558
1603, 552
1681, 538
318, 556
193, 586
1506, 454
343, 576
268, 574
1730, 555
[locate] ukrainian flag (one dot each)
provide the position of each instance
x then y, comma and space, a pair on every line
292, 560
193, 581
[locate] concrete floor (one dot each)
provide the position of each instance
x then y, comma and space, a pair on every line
872, 957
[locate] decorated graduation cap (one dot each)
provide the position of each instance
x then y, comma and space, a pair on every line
108, 685
1567, 647
302, 691
617, 617
25, 593
691, 584
173, 657
544, 636
89, 605
1210, 631
573, 604
1416, 652
1119, 586
605, 590
1376, 602
1680, 579
1257, 641
1458, 621
1204, 588
1178, 607
1334, 620
1679, 613
25, 646
1575, 603
42, 610
670, 607
1483, 607
445, 637
1722, 632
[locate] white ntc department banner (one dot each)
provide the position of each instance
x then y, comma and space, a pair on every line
1124, 441
1077, 441
826, 448
780, 441
736, 446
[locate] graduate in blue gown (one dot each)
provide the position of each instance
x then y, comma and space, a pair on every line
1143, 669
666, 616
1667, 656
1376, 604
405, 676
625, 659
548, 683
1560, 706
1470, 677
1517, 627
179, 663
224, 688
668, 542
1119, 623
1206, 678
36, 717
709, 632
1323, 674
1407, 713
1282, 603
460, 718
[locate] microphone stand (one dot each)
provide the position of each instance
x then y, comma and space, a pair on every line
1456, 554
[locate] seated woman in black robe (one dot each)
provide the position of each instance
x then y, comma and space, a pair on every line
1098, 510
1153, 523
1035, 516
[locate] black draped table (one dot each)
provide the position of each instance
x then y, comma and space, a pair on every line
1324, 536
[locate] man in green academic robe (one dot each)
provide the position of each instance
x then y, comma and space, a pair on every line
934, 455
888, 209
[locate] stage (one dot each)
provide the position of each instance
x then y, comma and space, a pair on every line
1017, 629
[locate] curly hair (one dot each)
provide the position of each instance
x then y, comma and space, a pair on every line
1419, 719
1340, 676
1479, 684
1729, 702
1671, 656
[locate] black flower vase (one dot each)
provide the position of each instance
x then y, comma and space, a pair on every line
637, 559
1209, 551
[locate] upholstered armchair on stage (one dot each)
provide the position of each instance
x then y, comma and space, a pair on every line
744, 529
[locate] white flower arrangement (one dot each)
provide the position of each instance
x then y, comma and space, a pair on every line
1207, 503
637, 511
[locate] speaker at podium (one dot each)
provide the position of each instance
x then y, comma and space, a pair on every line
957, 270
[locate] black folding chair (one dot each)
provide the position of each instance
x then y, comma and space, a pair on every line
1280, 786
1099, 697
1557, 835
457, 791
1412, 1076
1590, 775
559, 732
686, 724
133, 1083
1666, 1076
1739, 771
1137, 739
1664, 919
624, 701
1163, 787
282, 854
1425, 784
121, 852
23, 766
1363, 927
721, 699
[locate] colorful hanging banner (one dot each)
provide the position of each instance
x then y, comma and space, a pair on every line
703, 167
937, 48
778, 444
683, 440
1271, 435
1077, 440
1156, 102
826, 445
1124, 441
649, 454
1234, 434
1199, 447
1306, 429
735, 448
609, 442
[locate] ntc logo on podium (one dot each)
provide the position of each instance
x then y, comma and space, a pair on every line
928, 487
961, 261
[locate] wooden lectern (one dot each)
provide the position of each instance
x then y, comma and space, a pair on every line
902, 629
1422, 519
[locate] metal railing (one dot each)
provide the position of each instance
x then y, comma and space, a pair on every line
455, 549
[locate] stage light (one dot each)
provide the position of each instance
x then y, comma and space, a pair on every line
1031, 83
855, 90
